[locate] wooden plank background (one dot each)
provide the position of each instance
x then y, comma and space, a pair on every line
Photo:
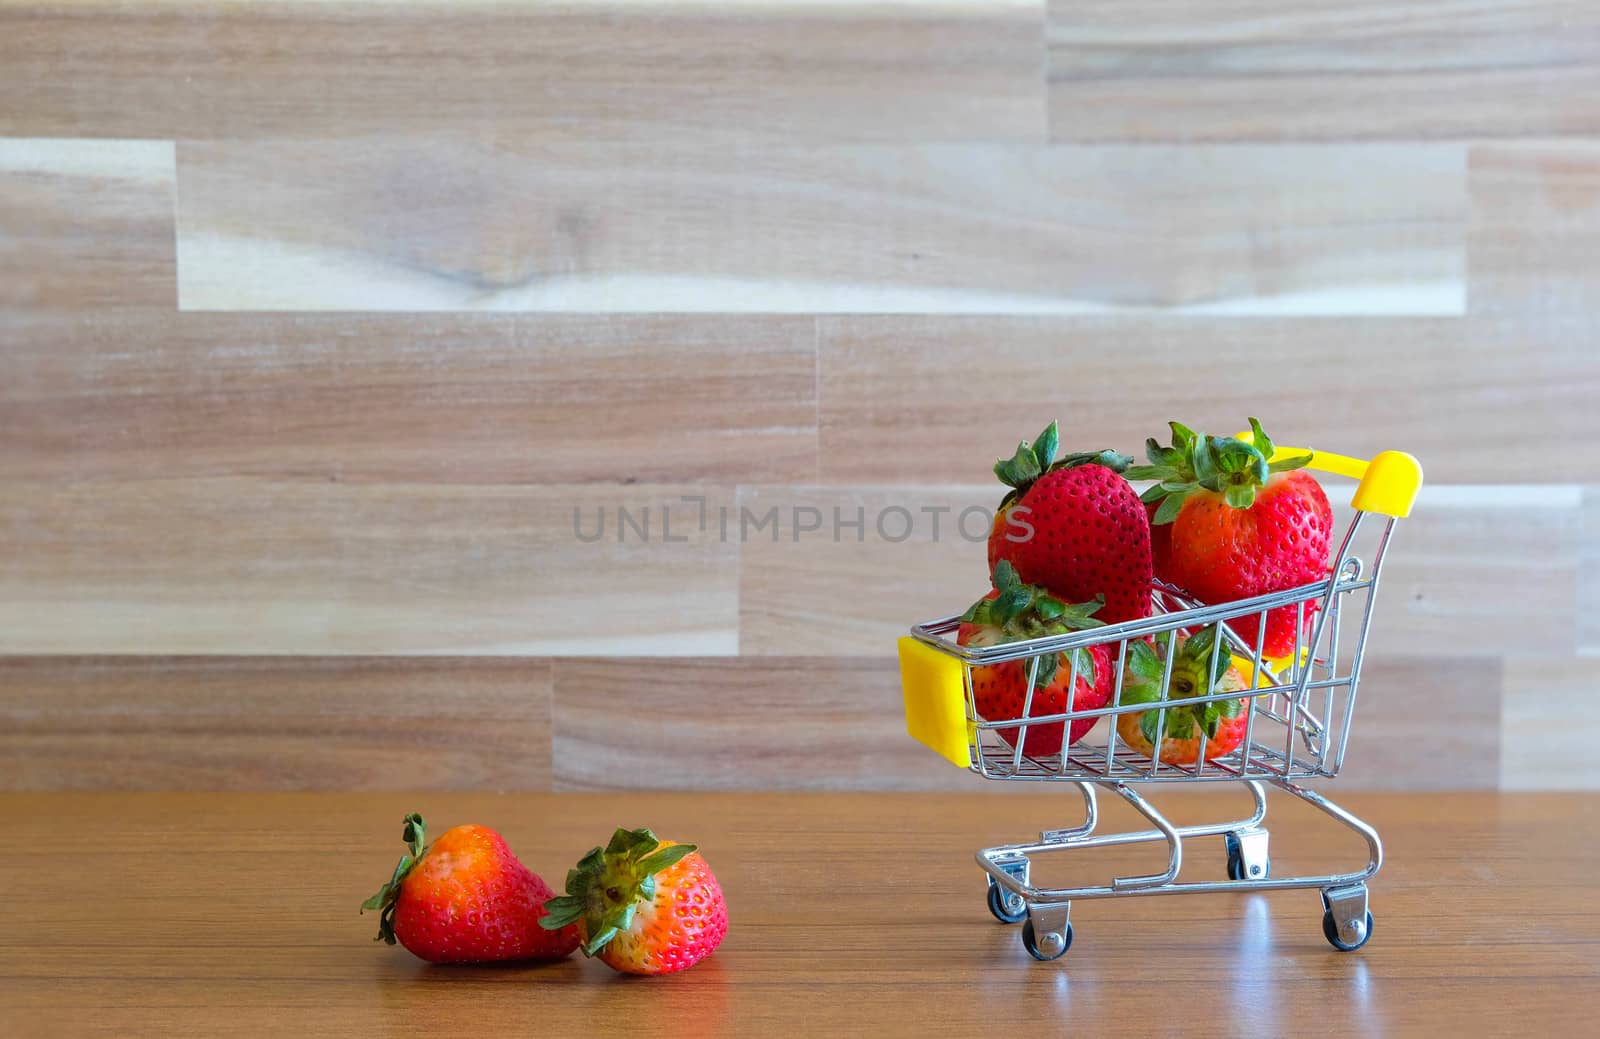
330, 330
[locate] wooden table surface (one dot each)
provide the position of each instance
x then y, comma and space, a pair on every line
851, 914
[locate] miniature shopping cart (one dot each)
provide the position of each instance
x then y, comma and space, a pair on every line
1297, 712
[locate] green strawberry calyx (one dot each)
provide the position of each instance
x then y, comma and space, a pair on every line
608, 885
1025, 611
1034, 460
1143, 671
415, 833
1234, 468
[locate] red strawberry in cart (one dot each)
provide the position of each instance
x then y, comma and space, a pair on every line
1013, 612
1074, 526
1239, 524
1194, 674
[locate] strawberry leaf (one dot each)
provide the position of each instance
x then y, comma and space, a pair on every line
1239, 496
1020, 469
1010, 603
1084, 611
666, 858
591, 863
1197, 650
1237, 469
606, 888
1046, 673
1113, 460
1044, 448
561, 911
1140, 692
1143, 662
415, 834
1290, 463
1203, 459
1170, 507
1083, 660
1149, 722
1221, 667
599, 941
1259, 439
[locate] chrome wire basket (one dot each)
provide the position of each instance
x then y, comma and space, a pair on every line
1297, 713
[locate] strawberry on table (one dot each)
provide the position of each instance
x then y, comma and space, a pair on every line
464, 898
1074, 526
1222, 721
643, 905
1238, 525
1015, 611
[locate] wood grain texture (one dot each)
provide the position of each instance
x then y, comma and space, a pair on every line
1548, 727
1426, 723
256, 439
1482, 571
813, 883
795, 723
239, 566
450, 399
737, 723
225, 723
914, 399
836, 723
517, 224
87, 223
1536, 233
852, 592
1461, 542
574, 70
1170, 70
1589, 574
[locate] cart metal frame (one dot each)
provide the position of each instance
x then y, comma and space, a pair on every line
1297, 728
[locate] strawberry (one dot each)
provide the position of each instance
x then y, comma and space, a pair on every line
1223, 721
644, 906
1015, 611
1160, 543
1074, 526
465, 898
1239, 525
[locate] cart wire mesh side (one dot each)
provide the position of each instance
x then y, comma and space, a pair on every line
1297, 712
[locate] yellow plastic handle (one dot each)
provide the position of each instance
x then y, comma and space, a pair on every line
1388, 484
934, 687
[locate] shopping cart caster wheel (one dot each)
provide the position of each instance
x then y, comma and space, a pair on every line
1248, 861
1006, 907
1050, 946
1330, 931
1237, 871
